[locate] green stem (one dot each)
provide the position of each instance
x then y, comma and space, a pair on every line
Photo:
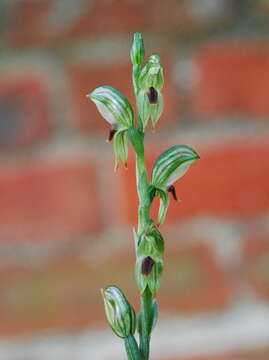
143, 193
143, 221
132, 348
144, 336
136, 136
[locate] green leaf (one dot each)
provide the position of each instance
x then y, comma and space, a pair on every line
113, 106
172, 165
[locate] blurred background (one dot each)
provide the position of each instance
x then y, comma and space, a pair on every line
66, 218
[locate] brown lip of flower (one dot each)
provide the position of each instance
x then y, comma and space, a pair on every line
111, 134
147, 265
172, 190
152, 95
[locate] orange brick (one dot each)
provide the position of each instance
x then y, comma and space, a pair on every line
28, 26
256, 259
62, 294
25, 110
233, 78
84, 79
42, 200
52, 22
193, 280
227, 181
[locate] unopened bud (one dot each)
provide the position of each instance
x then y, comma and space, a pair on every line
137, 52
120, 314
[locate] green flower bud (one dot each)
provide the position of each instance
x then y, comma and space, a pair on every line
152, 74
137, 52
120, 148
120, 314
151, 243
148, 273
113, 106
172, 165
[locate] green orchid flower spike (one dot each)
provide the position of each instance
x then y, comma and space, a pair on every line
170, 166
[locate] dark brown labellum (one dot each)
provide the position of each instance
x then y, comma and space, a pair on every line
172, 190
147, 265
153, 95
111, 134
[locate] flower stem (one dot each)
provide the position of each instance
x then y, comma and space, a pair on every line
132, 348
143, 222
144, 336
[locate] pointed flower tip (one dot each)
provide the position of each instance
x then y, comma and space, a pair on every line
89, 96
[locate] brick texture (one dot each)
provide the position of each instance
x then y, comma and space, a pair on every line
62, 294
24, 110
233, 79
45, 200
193, 280
50, 21
256, 256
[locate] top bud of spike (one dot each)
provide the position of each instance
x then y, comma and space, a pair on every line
137, 52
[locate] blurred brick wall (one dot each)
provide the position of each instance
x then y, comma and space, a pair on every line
65, 216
